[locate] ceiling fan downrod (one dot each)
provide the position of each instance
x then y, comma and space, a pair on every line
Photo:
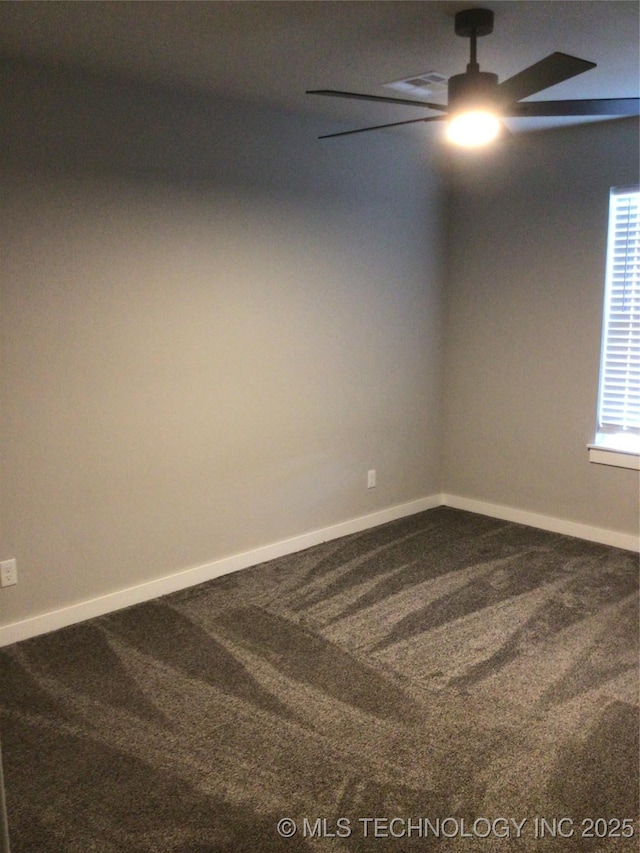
472, 24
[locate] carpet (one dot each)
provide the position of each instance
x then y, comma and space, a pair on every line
445, 682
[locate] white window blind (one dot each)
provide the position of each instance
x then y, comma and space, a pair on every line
619, 397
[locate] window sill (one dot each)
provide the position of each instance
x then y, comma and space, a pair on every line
619, 451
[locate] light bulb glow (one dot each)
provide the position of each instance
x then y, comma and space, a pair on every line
472, 129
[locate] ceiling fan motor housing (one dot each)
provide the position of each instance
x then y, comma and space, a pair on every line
472, 89
475, 88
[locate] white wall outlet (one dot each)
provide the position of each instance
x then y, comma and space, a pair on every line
371, 479
8, 572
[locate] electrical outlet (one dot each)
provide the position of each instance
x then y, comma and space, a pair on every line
8, 572
371, 479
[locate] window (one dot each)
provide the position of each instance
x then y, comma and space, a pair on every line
619, 390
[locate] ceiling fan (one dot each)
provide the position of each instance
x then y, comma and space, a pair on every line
477, 102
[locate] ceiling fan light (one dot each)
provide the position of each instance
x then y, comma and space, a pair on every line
473, 129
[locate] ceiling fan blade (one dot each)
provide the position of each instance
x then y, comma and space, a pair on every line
380, 126
589, 107
551, 70
332, 93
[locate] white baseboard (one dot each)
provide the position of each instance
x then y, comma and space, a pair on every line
51, 621
55, 619
627, 541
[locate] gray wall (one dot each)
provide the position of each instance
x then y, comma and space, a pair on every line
527, 245
212, 326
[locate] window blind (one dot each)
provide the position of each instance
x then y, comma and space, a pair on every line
619, 397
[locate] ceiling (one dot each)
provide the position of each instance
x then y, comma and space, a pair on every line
272, 51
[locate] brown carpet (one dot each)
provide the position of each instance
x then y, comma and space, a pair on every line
444, 682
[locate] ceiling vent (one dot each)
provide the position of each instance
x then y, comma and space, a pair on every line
421, 85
